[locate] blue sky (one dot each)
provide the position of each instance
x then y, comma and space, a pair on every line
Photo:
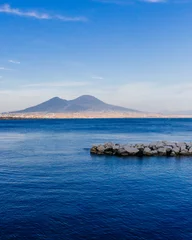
134, 53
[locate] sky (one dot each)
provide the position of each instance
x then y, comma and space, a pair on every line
132, 53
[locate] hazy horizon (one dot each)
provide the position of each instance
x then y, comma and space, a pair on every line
130, 53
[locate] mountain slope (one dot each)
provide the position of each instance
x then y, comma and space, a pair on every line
85, 103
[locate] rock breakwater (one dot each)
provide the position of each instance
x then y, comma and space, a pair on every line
160, 148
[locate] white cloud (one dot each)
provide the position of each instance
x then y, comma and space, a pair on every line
6, 8
126, 2
97, 77
5, 69
15, 62
154, 1
56, 84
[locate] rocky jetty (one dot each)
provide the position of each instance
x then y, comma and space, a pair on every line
160, 148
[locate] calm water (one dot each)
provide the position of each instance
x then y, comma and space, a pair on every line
52, 189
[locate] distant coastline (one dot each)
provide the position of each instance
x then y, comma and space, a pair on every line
87, 115
83, 107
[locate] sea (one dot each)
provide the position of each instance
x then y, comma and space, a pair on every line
51, 188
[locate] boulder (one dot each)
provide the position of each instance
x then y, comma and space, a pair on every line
108, 146
182, 146
147, 152
140, 147
190, 151
170, 144
122, 152
160, 145
162, 151
132, 151
173, 154
94, 150
154, 153
168, 150
153, 145
176, 150
184, 152
100, 149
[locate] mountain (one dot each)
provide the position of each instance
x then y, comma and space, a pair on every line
85, 103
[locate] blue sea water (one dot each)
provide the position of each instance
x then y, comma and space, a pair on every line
51, 188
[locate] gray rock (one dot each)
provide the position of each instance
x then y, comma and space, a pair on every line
131, 150
176, 150
153, 145
108, 146
140, 146
162, 151
189, 145
101, 149
190, 151
94, 150
170, 144
173, 154
184, 152
160, 145
154, 153
147, 152
122, 152
182, 145
183, 148
162, 148
116, 147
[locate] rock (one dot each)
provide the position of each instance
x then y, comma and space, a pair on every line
162, 151
116, 148
184, 152
160, 145
94, 150
182, 146
154, 153
147, 152
189, 145
170, 144
173, 154
153, 145
132, 151
176, 150
190, 151
108, 145
108, 152
141, 147
162, 148
168, 150
122, 152
100, 149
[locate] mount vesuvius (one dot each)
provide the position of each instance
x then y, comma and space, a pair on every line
85, 103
